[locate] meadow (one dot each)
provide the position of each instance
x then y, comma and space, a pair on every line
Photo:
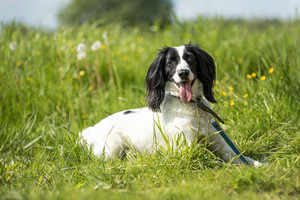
48, 93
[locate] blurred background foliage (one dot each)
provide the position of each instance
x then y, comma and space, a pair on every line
141, 13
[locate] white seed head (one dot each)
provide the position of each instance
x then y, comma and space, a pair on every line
13, 46
81, 55
80, 48
96, 45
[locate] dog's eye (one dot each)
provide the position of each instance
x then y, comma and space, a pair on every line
190, 58
170, 62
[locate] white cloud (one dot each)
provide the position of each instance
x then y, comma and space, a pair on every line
237, 8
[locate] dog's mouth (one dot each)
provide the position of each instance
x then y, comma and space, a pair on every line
185, 90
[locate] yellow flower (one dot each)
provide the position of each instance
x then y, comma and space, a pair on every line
18, 63
231, 88
118, 52
231, 103
90, 88
245, 96
217, 53
139, 39
40, 179
140, 49
271, 70
253, 74
103, 46
263, 78
224, 93
126, 57
29, 79
249, 76
240, 60
82, 73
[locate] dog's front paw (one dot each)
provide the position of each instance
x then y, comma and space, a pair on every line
258, 164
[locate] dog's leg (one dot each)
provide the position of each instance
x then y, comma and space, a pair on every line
104, 145
219, 146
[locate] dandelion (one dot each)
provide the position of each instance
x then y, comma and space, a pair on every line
29, 79
82, 73
231, 89
217, 53
231, 103
96, 45
139, 39
271, 70
263, 78
13, 46
80, 48
18, 63
126, 57
245, 96
249, 76
224, 93
81, 55
253, 74
240, 60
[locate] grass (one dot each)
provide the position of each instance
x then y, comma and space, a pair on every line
47, 97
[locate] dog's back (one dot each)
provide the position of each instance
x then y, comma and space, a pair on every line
111, 134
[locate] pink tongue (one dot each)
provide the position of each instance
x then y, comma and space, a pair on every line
185, 91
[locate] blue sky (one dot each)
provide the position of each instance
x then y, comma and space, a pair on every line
42, 13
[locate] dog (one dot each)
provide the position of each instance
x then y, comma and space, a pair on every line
177, 76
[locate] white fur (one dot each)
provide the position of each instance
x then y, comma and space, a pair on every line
139, 129
181, 65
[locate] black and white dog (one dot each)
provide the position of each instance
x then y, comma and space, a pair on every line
175, 78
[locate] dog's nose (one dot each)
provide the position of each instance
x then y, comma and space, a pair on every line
184, 73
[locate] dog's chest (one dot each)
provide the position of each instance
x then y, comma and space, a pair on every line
179, 117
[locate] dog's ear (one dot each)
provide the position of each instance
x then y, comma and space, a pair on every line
206, 71
155, 81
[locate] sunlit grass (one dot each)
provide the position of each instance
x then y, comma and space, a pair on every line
47, 95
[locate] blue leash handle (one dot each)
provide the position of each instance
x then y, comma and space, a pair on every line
228, 141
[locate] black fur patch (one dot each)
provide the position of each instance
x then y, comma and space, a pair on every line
128, 112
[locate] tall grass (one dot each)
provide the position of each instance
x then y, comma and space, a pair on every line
46, 98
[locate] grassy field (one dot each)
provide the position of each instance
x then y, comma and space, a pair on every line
47, 96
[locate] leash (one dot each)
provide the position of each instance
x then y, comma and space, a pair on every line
202, 106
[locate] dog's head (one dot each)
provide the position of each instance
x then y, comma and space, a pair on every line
185, 71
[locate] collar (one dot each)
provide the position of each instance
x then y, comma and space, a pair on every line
199, 102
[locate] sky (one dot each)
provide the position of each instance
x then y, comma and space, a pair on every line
43, 13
